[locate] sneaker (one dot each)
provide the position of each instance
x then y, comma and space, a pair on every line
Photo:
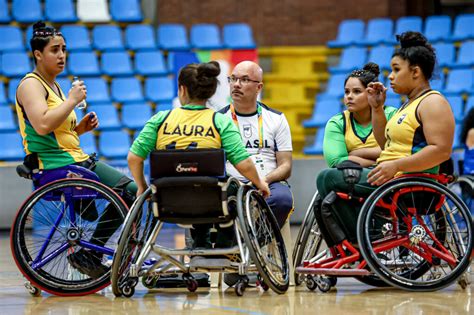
88, 262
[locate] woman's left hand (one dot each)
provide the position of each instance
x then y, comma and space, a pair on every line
88, 123
382, 173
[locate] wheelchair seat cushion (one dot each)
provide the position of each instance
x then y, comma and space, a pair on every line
44, 177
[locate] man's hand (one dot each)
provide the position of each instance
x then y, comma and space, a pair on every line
263, 188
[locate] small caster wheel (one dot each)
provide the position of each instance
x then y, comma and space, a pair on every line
149, 282
324, 285
333, 281
240, 288
34, 291
463, 281
192, 285
262, 284
311, 283
128, 291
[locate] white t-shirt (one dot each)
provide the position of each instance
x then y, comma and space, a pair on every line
276, 137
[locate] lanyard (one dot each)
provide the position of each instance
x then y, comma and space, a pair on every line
260, 123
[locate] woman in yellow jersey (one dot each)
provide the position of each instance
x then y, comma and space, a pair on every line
50, 131
348, 135
417, 138
194, 126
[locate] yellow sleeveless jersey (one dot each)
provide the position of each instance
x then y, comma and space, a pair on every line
188, 128
58, 148
404, 133
352, 139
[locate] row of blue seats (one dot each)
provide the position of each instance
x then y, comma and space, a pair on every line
113, 144
383, 31
139, 37
114, 64
64, 11
355, 57
122, 90
325, 109
132, 116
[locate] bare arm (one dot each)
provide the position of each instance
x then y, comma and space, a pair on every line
470, 138
367, 153
433, 112
247, 169
135, 164
31, 94
363, 162
283, 170
377, 94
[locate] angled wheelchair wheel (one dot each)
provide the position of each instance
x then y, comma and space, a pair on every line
309, 241
416, 234
137, 227
58, 220
263, 238
463, 187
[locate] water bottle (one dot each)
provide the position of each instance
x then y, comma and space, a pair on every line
83, 104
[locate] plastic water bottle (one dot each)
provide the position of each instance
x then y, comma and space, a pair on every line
83, 104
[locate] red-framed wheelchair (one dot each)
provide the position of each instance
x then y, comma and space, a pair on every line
413, 233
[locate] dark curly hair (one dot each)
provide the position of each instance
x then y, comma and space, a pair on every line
42, 35
415, 48
200, 79
467, 124
370, 73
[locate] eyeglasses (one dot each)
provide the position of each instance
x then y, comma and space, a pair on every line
243, 80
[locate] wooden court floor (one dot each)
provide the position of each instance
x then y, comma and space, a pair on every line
349, 297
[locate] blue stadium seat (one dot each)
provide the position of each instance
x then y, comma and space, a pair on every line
445, 53
27, 11
438, 28
87, 142
149, 63
65, 85
322, 112
83, 64
457, 132
77, 37
15, 64
172, 37
469, 104
114, 144
178, 59
11, 39
394, 101
7, 120
349, 32
438, 81
4, 12
381, 55
317, 147
60, 11
238, 36
3, 95
107, 37
116, 63
12, 85
134, 116
107, 114
140, 37
459, 81
159, 89
206, 37
97, 90
126, 10
465, 55
379, 30
126, 90
12, 148
335, 86
463, 27
457, 106
407, 23
164, 106
351, 58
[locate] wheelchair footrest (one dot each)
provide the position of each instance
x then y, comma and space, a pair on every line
333, 271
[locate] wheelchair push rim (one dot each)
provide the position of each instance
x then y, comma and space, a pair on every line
47, 230
415, 235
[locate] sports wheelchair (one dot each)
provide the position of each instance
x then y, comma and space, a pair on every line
190, 187
412, 233
59, 219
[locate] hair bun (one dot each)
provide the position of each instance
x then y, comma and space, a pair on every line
38, 25
210, 69
372, 68
412, 39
